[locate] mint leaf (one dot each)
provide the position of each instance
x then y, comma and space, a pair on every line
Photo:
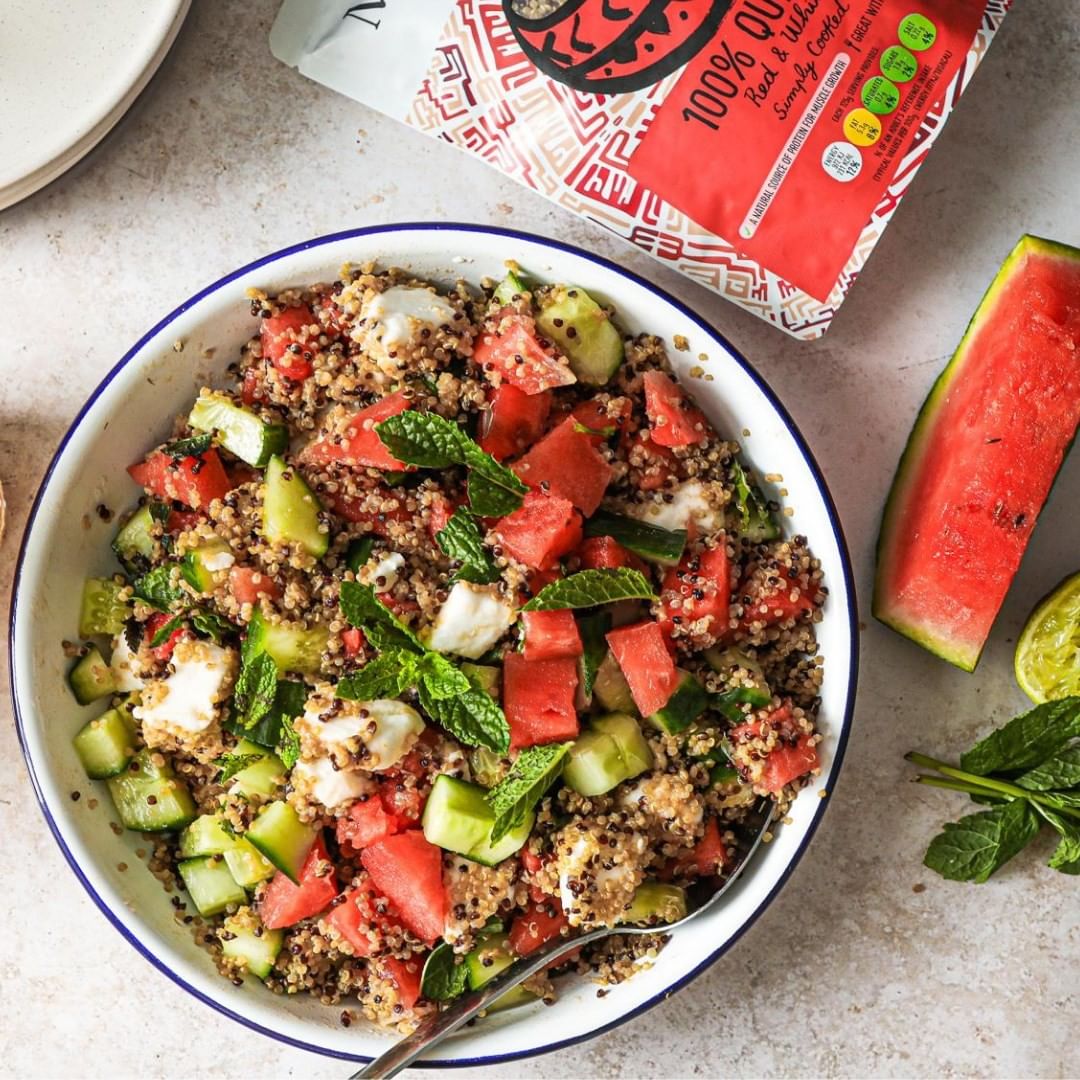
587, 588
593, 628
208, 624
1026, 741
289, 700
193, 447
534, 771
1058, 772
231, 764
363, 609
256, 687
972, 848
1066, 856
388, 675
431, 442
164, 632
288, 744
472, 717
444, 978
460, 539
156, 588
441, 678
755, 522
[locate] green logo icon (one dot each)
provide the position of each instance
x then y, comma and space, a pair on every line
917, 32
898, 64
880, 96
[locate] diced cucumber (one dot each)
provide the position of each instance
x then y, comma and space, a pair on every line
487, 960
612, 749
196, 568
684, 706
628, 736
206, 835
655, 903
358, 553
134, 543
488, 678
149, 798
610, 687
458, 818
247, 866
649, 541
581, 329
91, 678
512, 285
103, 611
291, 646
722, 774
209, 884
487, 767
291, 511
241, 432
104, 745
245, 939
283, 838
260, 778
723, 660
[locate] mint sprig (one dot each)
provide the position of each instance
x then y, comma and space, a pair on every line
429, 441
256, 686
534, 771
588, 588
444, 978
363, 609
473, 718
461, 539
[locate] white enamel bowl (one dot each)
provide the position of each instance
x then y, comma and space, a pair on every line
132, 409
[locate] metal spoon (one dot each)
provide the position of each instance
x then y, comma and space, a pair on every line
439, 1025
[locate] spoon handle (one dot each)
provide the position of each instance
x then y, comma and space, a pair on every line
437, 1026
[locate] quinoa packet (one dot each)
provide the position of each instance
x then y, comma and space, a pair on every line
758, 146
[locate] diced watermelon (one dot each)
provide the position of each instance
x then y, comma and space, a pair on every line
606, 553
194, 481
515, 353
653, 465
565, 463
285, 904
355, 509
362, 915
794, 755
545, 528
404, 801
538, 924
535, 580
440, 511
407, 870
252, 389
600, 421
180, 521
406, 975
538, 698
551, 635
675, 420
353, 641
776, 606
153, 625
513, 421
247, 585
360, 444
366, 822
642, 655
708, 857
698, 588
280, 332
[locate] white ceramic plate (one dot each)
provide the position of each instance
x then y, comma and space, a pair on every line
69, 73
133, 408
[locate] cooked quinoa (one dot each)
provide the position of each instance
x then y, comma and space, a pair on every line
322, 810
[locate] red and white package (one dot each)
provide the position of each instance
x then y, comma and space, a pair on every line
759, 146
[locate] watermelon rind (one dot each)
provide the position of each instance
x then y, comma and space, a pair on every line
963, 654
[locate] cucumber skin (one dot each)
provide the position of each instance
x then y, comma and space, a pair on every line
255, 445
91, 678
287, 513
685, 705
258, 953
649, 541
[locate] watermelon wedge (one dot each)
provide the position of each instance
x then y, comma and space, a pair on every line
983, 456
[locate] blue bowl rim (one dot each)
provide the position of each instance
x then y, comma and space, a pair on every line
691, 316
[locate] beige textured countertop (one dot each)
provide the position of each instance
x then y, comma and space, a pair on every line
866, 964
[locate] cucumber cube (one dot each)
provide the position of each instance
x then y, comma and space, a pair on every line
210, 885
256, 946
684, 706
103, 609
583, 332
262, 777
149, 798
458, 818
292, 647
632, 744
280, 835
610, 687
291, 511
247, 866
91, 678
104, 745
487, 960
655, 903
595, 764
206, 835
134, 543
239, 429
488, 678
196, 566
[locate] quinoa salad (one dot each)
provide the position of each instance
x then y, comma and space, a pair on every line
446, 627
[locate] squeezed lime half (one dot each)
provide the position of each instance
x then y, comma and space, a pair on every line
1047, 662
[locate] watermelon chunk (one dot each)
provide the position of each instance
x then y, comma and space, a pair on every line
407, 870
982, 457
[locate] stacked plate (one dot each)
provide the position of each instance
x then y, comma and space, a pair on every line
68, 72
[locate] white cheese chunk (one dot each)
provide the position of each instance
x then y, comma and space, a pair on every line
187, 700
388, 728
218, 560
382, 573
471, 621
318, 779
395, 319
689, 503
125, 666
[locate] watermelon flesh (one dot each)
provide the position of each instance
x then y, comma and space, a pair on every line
983, 456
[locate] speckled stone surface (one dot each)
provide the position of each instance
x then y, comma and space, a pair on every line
866, 964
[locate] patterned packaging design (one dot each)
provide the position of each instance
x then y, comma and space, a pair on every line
791, 128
